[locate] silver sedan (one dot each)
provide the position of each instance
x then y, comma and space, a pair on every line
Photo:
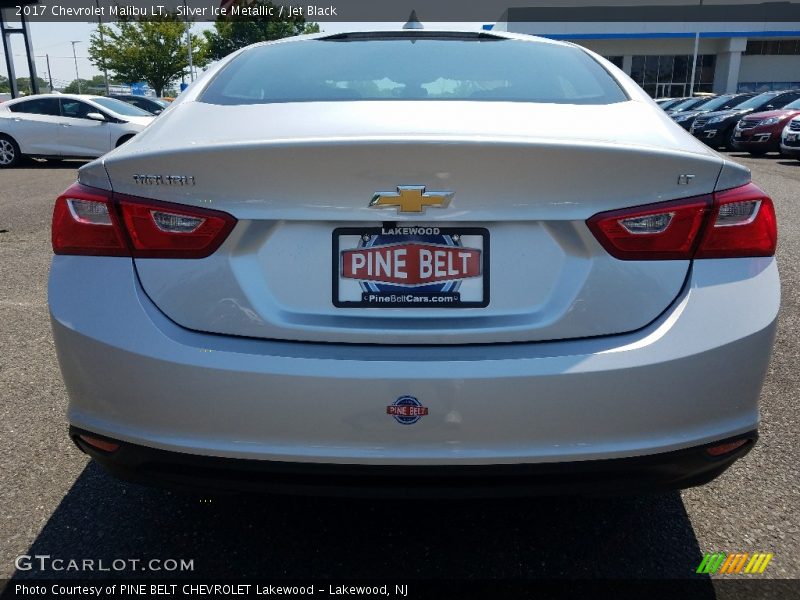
414, 262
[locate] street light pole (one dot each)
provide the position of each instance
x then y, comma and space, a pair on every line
75, 57
102, 43
694, 58
49, 75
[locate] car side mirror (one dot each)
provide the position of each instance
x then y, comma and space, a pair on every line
95, 116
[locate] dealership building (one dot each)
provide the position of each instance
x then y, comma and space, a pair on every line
741, 46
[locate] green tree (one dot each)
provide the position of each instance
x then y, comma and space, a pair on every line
231, 33
24, 85
5, 87
95, 85
153, 51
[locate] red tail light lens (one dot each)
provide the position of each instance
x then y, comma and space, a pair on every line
162, 230
743, 224
667, 230
96, 222
84, 222
733, 223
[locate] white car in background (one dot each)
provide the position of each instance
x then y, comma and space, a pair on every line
66, 126
790, 139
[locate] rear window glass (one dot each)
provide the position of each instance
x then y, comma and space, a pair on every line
413, 68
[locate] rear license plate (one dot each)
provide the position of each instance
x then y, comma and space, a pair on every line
411, 267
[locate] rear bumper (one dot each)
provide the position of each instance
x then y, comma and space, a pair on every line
690, 378
660, 472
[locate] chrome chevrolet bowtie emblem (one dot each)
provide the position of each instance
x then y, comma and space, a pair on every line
410, 199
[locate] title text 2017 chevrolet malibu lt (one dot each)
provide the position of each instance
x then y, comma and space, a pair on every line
414, 262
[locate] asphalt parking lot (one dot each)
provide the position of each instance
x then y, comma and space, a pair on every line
56, 503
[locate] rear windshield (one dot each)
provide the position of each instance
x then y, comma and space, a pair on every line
413, 68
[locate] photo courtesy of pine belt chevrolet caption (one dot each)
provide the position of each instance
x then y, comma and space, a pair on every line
429, 261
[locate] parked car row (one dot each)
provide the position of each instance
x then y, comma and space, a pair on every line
755, 123
56, 126
726, 102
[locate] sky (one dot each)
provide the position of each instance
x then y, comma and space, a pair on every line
54, 39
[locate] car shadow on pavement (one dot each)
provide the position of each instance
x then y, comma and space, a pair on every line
643, 537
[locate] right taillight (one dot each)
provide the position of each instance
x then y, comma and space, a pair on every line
95, 222
742, 224
738, 222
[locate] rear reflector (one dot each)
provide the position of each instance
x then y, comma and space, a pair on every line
728, 224
95, 222
103, 445
726, 448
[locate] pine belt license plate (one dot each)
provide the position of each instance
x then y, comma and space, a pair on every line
411, 267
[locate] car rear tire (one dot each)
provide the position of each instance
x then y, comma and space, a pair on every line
9, 152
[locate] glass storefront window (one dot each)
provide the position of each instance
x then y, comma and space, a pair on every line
670, 75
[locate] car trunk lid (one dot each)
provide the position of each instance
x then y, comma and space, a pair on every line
519, 201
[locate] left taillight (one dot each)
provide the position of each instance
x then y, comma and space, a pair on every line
95, 222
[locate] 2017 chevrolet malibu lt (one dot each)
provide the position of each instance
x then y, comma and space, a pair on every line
66, 126
717, 128
414, 262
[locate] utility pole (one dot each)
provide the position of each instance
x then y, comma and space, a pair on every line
102, 43
189, 43
49, 75
75, 57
